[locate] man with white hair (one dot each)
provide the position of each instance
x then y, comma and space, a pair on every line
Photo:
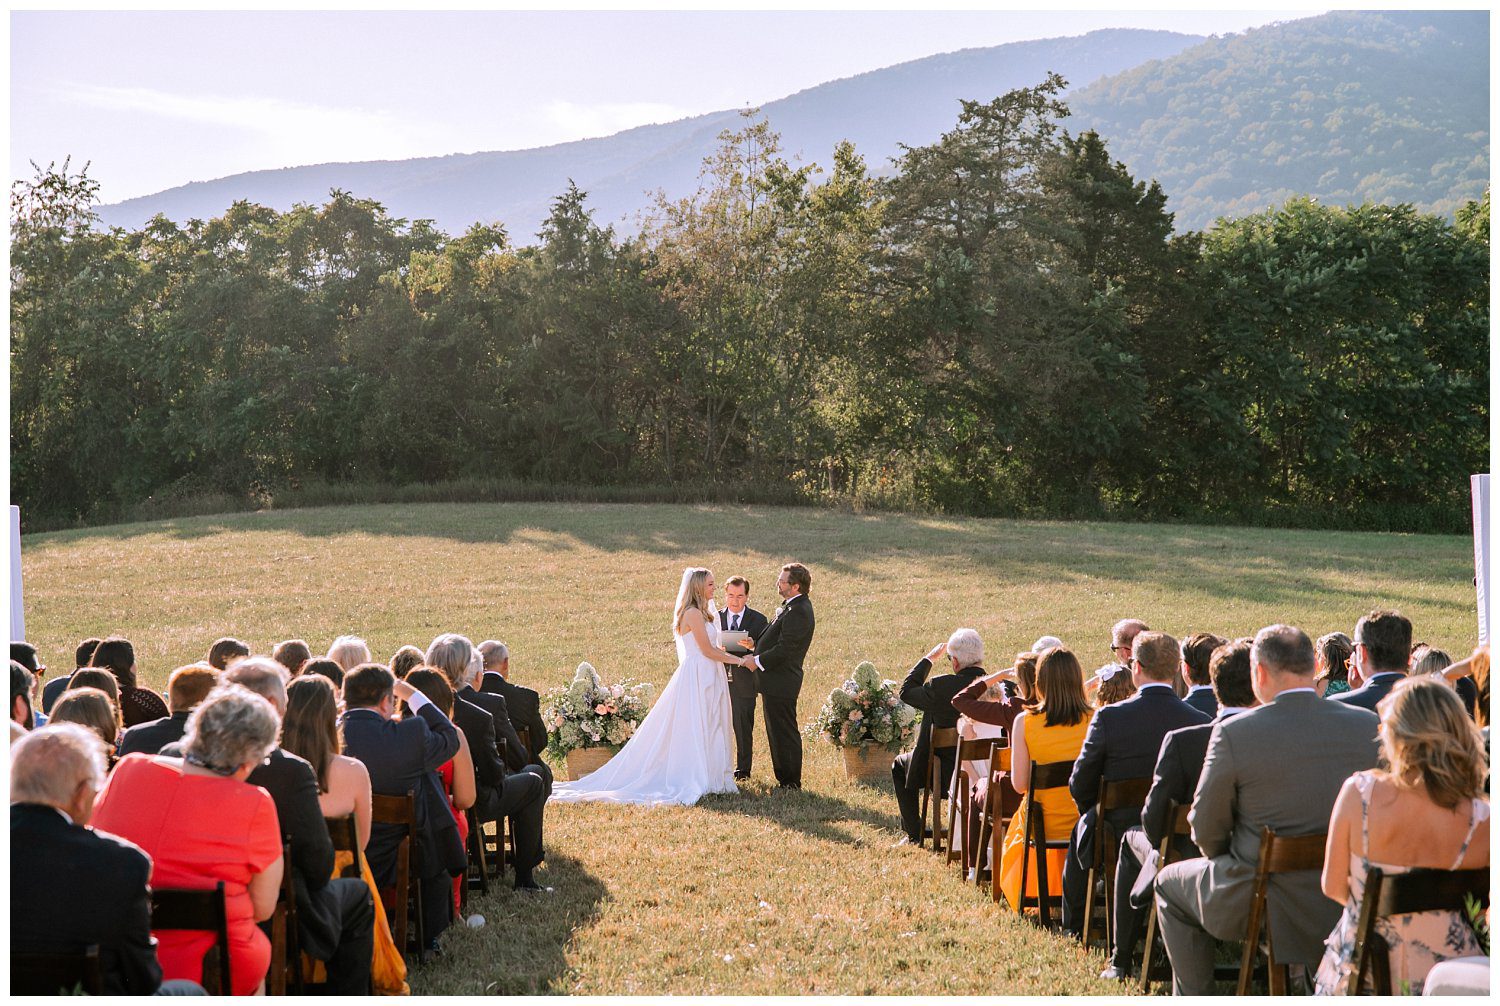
523, 704
934, 697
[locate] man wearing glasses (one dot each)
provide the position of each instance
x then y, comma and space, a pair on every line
1382, 651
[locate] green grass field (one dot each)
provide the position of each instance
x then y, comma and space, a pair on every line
765, 892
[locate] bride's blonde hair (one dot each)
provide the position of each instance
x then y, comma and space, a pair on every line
693, 595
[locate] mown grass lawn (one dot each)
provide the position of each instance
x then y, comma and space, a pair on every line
764, 892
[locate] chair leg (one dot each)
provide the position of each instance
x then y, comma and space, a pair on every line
1088, 902
958, 796
1252, 945
922, 816
1148, 952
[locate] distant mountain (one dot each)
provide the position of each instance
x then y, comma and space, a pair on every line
909, 103
1348, 107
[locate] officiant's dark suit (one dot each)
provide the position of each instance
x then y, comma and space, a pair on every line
780, 652
935, 698
742, 686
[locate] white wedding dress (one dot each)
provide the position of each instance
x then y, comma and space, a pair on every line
684, 747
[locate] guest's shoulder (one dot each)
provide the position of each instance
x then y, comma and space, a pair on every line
122, 854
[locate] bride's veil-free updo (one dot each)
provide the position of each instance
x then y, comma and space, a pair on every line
692, 595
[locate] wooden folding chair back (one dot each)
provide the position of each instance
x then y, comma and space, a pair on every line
1278, 854
401, 811
175, 908
978, 749
1388, 894
52, 974
1177, 817
344, 832
932, 785
286, 953
1114, 795
479, 870
1051, 775
525, 734
992, 821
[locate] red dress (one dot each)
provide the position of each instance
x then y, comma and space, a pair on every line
197, 830
445, 773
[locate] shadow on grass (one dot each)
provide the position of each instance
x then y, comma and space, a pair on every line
817, 815
522, 948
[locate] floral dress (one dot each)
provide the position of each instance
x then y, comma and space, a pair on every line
1418, 941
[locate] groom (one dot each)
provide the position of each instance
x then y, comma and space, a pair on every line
777, 664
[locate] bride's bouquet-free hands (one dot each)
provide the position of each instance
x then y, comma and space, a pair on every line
866, 711
590, 712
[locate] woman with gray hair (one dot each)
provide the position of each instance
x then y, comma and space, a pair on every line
201, 823
349, 652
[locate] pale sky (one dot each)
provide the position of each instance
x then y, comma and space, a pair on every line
155, 100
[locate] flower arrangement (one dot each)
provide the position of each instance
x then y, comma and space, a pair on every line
866, 711
589, 713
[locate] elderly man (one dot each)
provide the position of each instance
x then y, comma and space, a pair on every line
1280, 765
523, 705
934, 697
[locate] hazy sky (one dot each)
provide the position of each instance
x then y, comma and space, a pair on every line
154, 100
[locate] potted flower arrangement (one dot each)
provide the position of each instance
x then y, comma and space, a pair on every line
591, 719
867, 719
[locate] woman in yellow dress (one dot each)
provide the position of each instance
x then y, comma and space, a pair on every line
1051, 732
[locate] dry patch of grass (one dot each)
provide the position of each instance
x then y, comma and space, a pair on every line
764, 892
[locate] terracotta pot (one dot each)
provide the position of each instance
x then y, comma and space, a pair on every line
871, 763
582, 761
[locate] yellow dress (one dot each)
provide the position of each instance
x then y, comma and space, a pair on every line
387, 966
1044, 744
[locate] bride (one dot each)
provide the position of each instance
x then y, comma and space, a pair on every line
684, 747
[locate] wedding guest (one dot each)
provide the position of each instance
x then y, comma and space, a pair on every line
226, 651
1026, 672
201, 822
1333, 651
934, 697
1278, 766
72, 886
21, 686
1115, 685
293, 654
349, 652
1045, 643
1429, 661
93, 677
1121, 639
1197, 650
25, 654
137, 705
92, 708
81, 657
457, 773
405, 659
187, 687
1382, 655
1051, 732
990, 700
523, 704
332, 670
1122, 743
1426, 810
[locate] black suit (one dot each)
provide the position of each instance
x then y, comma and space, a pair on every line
1372, 691
742, 690
150, 738
71, 887
52, 691
524, 706
1123, 742
908, 771
1202, 699
780, 651
519, 795
489, 771
518, 757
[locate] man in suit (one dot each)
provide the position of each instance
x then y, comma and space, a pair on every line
403, 757
71, 887
739, 616
1176, 777
25, 654
22, 685
934, 697
81, 657
1382, 654
1122, 742
1197, 650
523, 704
777, 664
1279, 766
187, 687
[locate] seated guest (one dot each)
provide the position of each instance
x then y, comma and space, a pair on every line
1431, 661
1382, 655
201, 822
325, 668
402, 757
1051, 732
349, 652
226, 651
1115, 685
523, 704
1122, 743
991, 700
92, 708
1425, 811
81, 657
1279, 766
1044, 643
934, 697
25, 654
187, 687
292, 654
1197, 650
21, 686
1332, 653
1178, 767
93, 677
406, 659
71, 886
137, 705
457, 773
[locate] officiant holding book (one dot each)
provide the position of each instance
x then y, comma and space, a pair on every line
738, 616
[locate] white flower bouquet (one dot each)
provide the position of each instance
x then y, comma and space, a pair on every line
866, 712
590, 713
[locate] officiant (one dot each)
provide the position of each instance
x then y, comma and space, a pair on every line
738, 616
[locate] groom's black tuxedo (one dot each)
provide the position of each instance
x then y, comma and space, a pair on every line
742, 689
781, 650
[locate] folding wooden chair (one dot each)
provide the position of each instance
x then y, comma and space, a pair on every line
286, 952
1119, 794
1177, 816
932, 785
52, 974
1052, 775
1406, 894
1278, 854
344, 832
401, 811
993, 821
979, 749
479, 870
175, 908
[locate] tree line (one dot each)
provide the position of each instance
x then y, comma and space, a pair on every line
1001, 324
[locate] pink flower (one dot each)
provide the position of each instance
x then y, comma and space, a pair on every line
856, 716
601, 709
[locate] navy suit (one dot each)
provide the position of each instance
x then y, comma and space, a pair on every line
1122, 742
742, 690
150, 738
1372, 691
1202, 699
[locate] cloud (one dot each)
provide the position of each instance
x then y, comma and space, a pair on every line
574, 120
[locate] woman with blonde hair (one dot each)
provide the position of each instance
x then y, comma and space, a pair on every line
684, 748
349, 652
1424, 809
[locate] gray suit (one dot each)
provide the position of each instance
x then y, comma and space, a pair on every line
1280, 765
